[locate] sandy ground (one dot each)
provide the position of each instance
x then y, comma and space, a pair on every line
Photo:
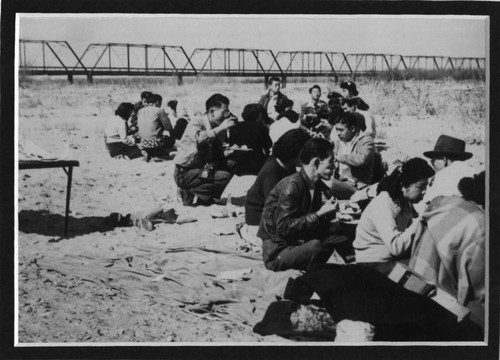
116, 284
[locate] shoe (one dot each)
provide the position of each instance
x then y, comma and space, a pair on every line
145, 156
186, 197
169, 216
144, 224
201, 202
117, 219
220, 201
240, 226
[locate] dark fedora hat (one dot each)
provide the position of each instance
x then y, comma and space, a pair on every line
449, 146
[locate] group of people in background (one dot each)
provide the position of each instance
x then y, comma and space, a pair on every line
144, 129
429, 216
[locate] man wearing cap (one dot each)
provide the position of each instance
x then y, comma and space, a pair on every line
448, 159
272, 97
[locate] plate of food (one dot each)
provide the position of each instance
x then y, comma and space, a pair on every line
238, 148
346, 219
348, 213
351, 209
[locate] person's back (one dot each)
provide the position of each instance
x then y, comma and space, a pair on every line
371, 128
255, 136
455, 229
284, 161
270, 174
449, 250
286, 121
148, 122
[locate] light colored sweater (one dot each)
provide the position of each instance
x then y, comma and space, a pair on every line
385, 230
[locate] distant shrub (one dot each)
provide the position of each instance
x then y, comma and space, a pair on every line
419, 74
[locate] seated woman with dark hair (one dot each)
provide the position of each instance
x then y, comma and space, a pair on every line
253, 134
351, 92
385, 230
284, 161
118, 142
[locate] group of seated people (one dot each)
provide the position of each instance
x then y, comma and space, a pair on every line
144, 129
219, 145
430, 217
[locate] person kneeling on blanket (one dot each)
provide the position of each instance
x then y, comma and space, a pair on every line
296, 227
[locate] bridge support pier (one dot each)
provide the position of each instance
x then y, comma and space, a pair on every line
283, 82
90, 80
266, 81
70, 78
179, 80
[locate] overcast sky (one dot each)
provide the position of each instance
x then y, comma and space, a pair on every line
456, 36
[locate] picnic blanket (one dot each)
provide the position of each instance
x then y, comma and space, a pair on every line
209, 283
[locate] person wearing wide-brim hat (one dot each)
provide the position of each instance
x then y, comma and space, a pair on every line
448, 159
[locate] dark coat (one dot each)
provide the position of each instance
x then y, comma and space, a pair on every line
264, 100
255, 135
290, 215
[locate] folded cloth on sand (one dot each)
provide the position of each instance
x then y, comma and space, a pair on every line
278, 321
354, 331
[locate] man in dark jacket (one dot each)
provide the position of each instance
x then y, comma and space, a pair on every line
272, 97
296, 227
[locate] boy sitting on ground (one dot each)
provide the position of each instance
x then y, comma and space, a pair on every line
154, 129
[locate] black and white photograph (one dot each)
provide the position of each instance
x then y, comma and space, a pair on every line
251, 180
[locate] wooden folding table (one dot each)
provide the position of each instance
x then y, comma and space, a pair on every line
45, 164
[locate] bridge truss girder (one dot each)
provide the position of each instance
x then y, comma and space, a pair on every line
136, 59
235, 62
41, 57
313, 63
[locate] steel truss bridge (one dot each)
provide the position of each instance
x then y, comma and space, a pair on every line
41, 57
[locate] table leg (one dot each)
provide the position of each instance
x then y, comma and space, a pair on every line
68, 197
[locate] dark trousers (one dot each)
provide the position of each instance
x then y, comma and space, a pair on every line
119, 148
189, 179
304, 257
342, 190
